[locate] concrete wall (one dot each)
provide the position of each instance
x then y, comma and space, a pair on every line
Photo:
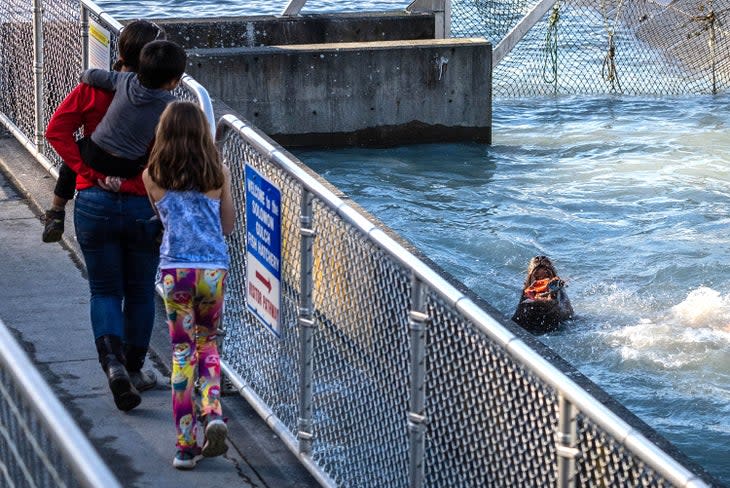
259, 31
362, 93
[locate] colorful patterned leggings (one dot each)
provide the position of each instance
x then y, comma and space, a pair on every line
194, 305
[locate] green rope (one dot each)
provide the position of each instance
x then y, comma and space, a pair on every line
608, 69
550, 63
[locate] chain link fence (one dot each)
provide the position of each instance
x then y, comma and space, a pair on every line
40, 444
633, 47
389, 376
16, 59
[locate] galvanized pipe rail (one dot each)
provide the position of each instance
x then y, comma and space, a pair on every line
42, 410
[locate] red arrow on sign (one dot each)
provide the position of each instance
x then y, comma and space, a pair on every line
263, 280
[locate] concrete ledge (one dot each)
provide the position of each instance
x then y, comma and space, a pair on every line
256, 31
359, 93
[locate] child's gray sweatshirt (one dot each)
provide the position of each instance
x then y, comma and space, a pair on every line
128, 127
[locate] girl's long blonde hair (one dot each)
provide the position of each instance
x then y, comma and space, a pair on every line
184, 156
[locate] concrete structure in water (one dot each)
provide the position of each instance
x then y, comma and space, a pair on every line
366, 79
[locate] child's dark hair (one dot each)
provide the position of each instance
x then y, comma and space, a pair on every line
161, 62
131, 41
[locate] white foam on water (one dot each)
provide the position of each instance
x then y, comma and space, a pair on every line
704, 308
686, 336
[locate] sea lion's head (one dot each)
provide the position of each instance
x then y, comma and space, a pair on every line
540, 267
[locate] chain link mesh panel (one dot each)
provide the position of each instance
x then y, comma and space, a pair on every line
40, 446
361, 362
602, 461
483, 409
28, 456
352, 343
16, 66
648, 47
267, 363
61, 56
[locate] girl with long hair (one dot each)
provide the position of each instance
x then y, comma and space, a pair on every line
190, 189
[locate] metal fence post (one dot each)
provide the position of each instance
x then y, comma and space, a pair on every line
84, 37
565, 438
306, 325
417, 321
442, 15
38, 73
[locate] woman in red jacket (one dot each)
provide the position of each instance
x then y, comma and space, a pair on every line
115, 230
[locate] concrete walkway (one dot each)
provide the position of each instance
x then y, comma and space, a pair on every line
44, 300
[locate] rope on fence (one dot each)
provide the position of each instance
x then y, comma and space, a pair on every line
608, 69
550, 61
708, 22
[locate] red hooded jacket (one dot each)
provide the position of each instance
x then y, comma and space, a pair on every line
83, 108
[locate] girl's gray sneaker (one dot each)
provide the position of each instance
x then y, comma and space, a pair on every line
186, 459
216, 432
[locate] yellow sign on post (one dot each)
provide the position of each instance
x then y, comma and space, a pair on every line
99, 46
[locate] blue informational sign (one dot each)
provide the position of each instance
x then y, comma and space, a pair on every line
263, 249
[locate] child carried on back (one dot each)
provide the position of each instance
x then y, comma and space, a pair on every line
119, 146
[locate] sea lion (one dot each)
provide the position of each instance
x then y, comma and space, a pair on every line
544, 303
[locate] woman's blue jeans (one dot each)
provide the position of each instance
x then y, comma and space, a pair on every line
120, 247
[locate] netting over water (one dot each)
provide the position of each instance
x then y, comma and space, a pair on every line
635, 47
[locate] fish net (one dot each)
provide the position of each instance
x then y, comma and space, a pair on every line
636, 47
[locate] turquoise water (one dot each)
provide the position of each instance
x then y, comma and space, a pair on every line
630, 197
208, 8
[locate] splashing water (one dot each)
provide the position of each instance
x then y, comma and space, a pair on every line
684, 338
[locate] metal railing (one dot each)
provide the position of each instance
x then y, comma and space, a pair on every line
40, 443
384, 374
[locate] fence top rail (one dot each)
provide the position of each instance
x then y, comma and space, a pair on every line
81, 456
201, 94
96, 10
656, 458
